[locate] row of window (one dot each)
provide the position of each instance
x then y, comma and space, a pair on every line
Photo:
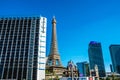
32, 67
22, 56
17, 27
20, 18
23, 62
18, 34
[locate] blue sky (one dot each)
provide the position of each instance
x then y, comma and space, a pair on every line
78, 23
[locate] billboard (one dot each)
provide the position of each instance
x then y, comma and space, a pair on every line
78, 78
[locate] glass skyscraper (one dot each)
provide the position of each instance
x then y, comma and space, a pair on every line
115, 56
83, 68
96, 57
22, 48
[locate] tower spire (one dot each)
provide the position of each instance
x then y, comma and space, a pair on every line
54, 49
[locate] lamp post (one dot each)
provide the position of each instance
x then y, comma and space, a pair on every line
96, 72
71, 67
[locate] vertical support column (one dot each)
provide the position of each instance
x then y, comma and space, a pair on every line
42, 49
31, 50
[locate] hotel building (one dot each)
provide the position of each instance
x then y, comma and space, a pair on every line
22, 48
115, 56
96, 57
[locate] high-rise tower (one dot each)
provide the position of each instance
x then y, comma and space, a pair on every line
96, 57
115, 56
22, 48
53, 64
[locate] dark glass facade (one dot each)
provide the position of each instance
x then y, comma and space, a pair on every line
115, 56
96, 57
19, 38
83, 69
111, 68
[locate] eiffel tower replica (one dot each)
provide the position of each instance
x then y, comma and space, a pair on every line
53, 64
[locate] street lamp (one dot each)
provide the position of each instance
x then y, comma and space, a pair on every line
71, 68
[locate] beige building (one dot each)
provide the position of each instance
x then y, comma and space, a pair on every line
71, 70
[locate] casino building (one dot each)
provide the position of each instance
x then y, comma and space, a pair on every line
115, 57
96, 57
22, 48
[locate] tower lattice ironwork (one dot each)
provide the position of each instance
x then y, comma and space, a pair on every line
54, 57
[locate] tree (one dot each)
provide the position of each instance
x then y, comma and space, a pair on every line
57, 78
47, 72
107, 78
113, 77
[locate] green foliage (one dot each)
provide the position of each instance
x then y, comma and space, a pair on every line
53, 73
113, 77
47, 72
50, 79
57, 78
117, 78
100, 79
107, 78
